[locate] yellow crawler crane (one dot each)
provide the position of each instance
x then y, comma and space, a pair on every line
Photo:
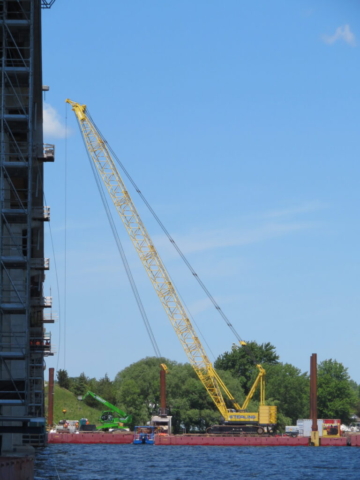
235, 419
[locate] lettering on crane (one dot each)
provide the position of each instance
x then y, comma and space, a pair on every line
242, 417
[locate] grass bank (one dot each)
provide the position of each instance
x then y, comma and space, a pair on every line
75, 409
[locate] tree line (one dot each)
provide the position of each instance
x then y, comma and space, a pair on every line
136, 389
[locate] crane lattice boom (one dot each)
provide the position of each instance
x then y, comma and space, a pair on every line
102, 158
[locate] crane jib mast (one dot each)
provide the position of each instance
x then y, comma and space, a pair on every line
100, 154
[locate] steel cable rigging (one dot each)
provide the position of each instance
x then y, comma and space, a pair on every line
164, 229
116, 235
124, 260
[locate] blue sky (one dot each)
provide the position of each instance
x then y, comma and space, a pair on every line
240, 122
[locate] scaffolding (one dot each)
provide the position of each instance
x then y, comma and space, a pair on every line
23, 340
47, 3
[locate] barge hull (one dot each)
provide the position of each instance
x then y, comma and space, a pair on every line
91, 438
205, 440
226, 440
16, 468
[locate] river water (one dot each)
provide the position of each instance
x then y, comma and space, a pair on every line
151, 462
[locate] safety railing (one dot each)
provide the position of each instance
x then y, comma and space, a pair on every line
45, 302
40, 263
41, 213
48, 153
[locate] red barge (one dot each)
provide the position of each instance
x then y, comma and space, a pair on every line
205, 440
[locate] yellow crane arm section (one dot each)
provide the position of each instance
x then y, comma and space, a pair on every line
102, 158
260, 380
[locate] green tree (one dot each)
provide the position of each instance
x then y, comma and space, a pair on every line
63, 379
105, 388
356, 390
288, 388
79, 385
336, 396
137, 388
189, 404
129, 399
242, 361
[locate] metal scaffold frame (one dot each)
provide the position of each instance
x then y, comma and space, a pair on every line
23, 343
47, 4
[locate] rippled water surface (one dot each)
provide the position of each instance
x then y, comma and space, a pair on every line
150, 462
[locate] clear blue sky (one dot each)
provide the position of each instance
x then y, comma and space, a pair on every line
240, 123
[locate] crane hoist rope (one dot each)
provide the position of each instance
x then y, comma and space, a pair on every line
100, 154
176, 247
179, 251
174, 244
125, 262
121, 250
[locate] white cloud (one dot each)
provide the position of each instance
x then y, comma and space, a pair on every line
308, 12
247, 231
200, 241
228, 238
304, 208
52, 124
341, 33
204, 304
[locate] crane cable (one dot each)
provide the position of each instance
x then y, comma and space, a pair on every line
152, 211
123, 255
65, 234
124, 259
172, 241
177, 248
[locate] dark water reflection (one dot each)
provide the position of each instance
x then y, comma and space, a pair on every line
128, 462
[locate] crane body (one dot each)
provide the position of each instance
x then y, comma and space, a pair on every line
101, 156
113, 417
